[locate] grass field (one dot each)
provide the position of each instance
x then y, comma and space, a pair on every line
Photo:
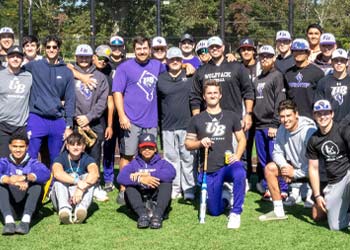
110, 227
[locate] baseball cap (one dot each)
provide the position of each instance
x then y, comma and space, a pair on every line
159, 41
266, 49
322, 105
103, 50
187, 37
84, 50
116, 40
327, 39
283, 35
147, 140
300, 44
246, 42
339, 53
5, 30
215, 40
174, 52
15, 49
202, 44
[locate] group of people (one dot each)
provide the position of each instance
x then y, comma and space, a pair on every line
290, 103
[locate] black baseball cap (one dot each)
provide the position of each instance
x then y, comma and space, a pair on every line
187, 37
15, 49
147, 140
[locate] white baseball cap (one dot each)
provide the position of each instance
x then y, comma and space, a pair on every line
266, 49
202, 44
339, 53
6, 30
327, 39
283, 35
174, 52
322, 105
84, 50
159, 41
215, 40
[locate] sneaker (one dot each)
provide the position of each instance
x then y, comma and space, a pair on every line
22, 228
267, 196
227, 195
272, 216
9, 229
175, 196
234, 221
109, 187
120, 198
284, 196
65, 215
290, 201
143, 221
100, 194
80, 214
260, 188
156, 222
308, 203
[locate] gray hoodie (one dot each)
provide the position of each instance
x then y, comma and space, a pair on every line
290, 147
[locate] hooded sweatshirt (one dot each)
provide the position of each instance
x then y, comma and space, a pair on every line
157, 167
91, 103
52, 84
290, 147
8, 167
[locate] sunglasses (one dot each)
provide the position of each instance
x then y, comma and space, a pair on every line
102, 58
51, 47
158, 49
339, 60
202, 51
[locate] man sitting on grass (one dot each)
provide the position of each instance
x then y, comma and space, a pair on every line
75, 174
148, 178
21, 184
289, 160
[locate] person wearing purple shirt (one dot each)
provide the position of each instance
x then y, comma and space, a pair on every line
135, 97
21, 183
187, 45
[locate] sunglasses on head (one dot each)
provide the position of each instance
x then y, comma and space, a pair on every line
51, 47
202, 51
102, 58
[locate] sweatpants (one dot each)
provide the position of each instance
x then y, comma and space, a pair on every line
264, 147
161, 195
235, 173
15, 200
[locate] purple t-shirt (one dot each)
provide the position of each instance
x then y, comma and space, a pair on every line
194, 61
137, 82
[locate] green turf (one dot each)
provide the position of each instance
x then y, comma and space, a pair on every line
110, 228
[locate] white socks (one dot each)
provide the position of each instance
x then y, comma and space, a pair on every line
9, 219
278, 208
26, 218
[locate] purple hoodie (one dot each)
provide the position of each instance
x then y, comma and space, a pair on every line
157, 167
27, 166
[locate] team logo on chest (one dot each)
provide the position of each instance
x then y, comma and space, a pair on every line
215, 128
17, 86
147, 84
338, 93
330, 150
259, 90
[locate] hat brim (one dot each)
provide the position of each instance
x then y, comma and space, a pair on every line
16, 52
147, 144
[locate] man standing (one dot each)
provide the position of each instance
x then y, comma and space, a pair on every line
159, 48
327, 46
31, 47
301, 80
21, 184
330, 143
7, 39
202, 51
186, 45
14, 98
247, 51
214, 129
117, 45
135, 97
285, 59
289, 159
53, 83
313, 34
173, 93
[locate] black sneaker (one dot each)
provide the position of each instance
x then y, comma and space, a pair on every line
9, 229
120, 198
156, 222
22, 228
143, 221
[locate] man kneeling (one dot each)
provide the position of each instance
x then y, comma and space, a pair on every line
75, 174
21, 185
148, 177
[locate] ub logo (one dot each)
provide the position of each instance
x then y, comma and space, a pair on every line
147, 84
17, 86
338, 93
215, 128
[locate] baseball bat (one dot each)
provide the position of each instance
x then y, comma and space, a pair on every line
204, 192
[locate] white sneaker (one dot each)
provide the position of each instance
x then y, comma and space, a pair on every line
175, 195
227, 195
100, 194
80, 214
234, 221
65, 215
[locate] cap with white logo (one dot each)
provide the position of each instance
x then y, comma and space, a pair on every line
84, 50
159, 41
322, 105
266, 49
283, 35
300, 44
327, 39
